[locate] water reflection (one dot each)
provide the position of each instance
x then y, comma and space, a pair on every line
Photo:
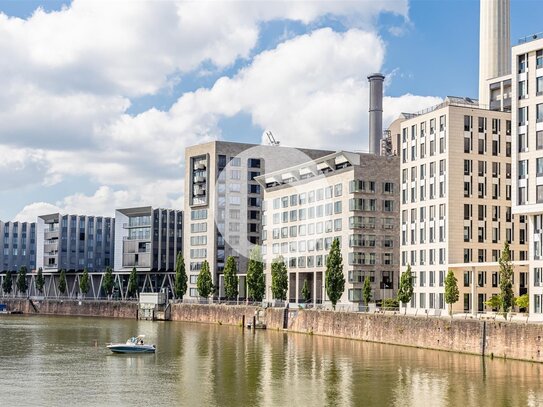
63, 361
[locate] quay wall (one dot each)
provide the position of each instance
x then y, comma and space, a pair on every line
112, 309
513, 340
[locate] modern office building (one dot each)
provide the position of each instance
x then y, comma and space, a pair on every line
527, 119
74, 242
456, 203
147, 239
223, 203
350, 196
18, 246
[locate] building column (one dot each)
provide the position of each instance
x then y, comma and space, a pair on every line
474, 307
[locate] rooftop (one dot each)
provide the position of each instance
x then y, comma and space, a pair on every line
533, 37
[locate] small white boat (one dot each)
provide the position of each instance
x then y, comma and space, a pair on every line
133, 345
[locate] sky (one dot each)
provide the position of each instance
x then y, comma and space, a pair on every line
100, 98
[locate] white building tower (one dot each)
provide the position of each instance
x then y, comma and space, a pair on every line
494, 44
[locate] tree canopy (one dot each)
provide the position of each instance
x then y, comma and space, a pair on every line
256, 283
180, 286
230, 278
506, 279
405, 292
335, 279
452, 294
279, 274
204, 283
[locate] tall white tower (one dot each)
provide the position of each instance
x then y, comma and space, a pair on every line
494, 44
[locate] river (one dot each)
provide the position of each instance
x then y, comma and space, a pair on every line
62, 361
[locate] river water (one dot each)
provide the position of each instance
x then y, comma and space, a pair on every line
62, 361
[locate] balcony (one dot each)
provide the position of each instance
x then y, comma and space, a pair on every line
199, 179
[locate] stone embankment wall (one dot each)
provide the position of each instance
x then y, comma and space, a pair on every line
213, 314
482, 337
113, 309
490, 338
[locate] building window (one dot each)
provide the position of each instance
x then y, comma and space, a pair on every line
539, 112
522, 116
539, 85
539, 193
522, 169
522, 90
522, 63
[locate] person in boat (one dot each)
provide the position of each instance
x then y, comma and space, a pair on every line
141, 341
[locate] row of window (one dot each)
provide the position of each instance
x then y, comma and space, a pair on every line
307, 197
523, 114
422, 150
422, 128
522, 61
523, 88
307, 229
523, 194
410, 257
312, 212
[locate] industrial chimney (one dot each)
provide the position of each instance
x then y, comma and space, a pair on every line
376, 112
494, 44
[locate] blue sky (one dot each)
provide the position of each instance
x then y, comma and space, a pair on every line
81, 91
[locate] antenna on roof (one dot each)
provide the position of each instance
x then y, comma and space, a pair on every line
271, 138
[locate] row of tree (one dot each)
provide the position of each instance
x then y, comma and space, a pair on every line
108, 282
256, 283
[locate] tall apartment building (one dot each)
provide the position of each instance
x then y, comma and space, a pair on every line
351, 196
74, 242
456, 203
527, 118
18, 246
223, 203
147, 238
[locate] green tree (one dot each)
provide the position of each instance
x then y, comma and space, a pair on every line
62, 282
506, 279
180, 286
390, 303
40, 281
204, 283
256, 283
495, 302
279, 275
405, 292
230, 279
306, 293
366, 291
84, 282
22, 284
452, 294
523, 302
107, 282
133, 283
335, 280
7, 285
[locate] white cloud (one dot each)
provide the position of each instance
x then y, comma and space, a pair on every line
68, 78
31, 211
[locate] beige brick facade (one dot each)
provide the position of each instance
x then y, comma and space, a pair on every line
456, 203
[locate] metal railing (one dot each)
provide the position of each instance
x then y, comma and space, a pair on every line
528, 38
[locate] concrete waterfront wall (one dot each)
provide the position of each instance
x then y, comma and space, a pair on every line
511, 340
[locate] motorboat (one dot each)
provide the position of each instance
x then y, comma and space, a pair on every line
133, 345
